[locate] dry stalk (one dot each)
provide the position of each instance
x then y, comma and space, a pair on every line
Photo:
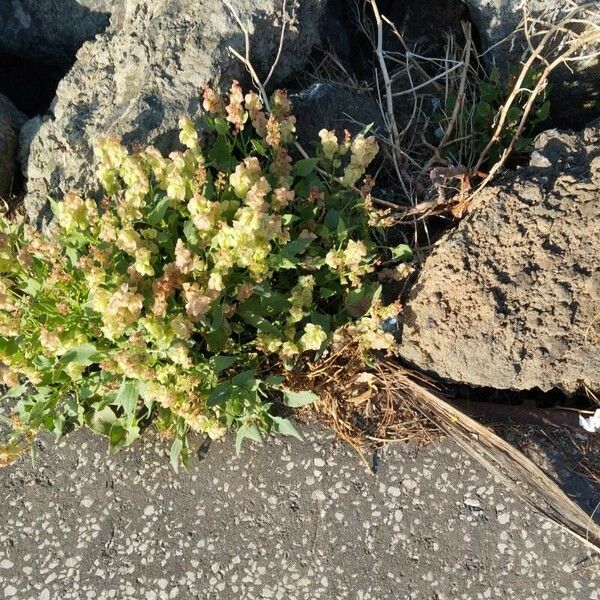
388, 114
357, 405
500, 458
578, 42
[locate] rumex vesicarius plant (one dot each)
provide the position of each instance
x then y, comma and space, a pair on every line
198, 275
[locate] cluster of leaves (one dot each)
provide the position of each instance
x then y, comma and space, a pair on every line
480, 119
182, 297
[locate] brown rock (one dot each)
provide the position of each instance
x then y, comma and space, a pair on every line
511, 298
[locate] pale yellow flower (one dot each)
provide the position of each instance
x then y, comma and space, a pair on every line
188, 135
313, 338
329, 143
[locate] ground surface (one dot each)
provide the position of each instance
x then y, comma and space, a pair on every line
288, 521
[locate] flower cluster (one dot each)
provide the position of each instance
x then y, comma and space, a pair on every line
165, 298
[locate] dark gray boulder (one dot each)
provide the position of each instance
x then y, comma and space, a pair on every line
51, 31
137, 79
11, 120
332, 106
510, 299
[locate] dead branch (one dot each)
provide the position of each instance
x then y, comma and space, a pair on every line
520, 474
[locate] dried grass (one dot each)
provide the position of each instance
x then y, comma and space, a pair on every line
359, 405
430, 180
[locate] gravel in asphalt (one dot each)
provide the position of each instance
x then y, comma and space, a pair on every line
288, 521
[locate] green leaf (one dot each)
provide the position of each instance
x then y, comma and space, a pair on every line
221, 125
15, 391
513, 115
259, 322
127, 397
216, 339
101, 421
258, 147
543, 112
220, 154
116, 436
286, 427
298, 399
31, 287
58, 426
341, 229
326, 292
245, 379
288, 219
191, 235
305, 166
331, 219
175, 453
323, 320
297, 246
489, 92
222, 362
122, 434
72, 255
85, 355
9, 346
220, 394
157, 214
53, 205
402, 252
73, 409
250, 431
360, 299
523, 144
279, 262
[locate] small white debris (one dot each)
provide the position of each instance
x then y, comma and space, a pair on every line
471, 502
319, 462
409, 484
7, 564
591, 424
149, 510
503, 518
394, 491
318, 496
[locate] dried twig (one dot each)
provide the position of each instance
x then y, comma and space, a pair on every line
389, 116
520, 474
578, 42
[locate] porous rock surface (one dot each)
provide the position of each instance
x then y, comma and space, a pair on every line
575, 91
137, 79
511, 298
51, 31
